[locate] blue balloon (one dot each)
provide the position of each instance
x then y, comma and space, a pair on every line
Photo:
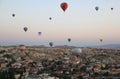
39, 33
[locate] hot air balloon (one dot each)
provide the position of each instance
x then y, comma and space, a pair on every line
96, 8
25, 29
64, 6
51, 44
111, 8
39, 33
50, 18
77, 51
13, 15
22, 47
69, 39
101, 40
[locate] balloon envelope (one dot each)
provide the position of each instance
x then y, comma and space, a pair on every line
25, 29
69, 39
96, 8
64, 6
50, 18
77, 50
101, 40
111, 8
13, 15
22, 47
51, 44
39, 33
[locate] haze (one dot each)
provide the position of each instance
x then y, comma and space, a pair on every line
80, 22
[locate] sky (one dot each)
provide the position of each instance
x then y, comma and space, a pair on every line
80, 22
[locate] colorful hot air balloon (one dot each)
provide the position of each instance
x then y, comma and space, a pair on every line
69, 39
64, 6
39, 33
96, 8
13, 15
25, 29
51, 44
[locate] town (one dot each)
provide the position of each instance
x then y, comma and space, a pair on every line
27, 62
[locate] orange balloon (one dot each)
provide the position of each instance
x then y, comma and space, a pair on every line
64, 6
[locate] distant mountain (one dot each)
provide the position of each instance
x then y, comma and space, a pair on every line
38, 46
113, 46
64, 46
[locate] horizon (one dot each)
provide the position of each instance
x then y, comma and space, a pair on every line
80, 22
104, 46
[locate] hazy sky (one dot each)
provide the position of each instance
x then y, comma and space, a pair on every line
80, 22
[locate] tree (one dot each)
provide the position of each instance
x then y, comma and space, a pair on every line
11, 73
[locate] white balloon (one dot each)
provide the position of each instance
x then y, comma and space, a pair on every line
77, 50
